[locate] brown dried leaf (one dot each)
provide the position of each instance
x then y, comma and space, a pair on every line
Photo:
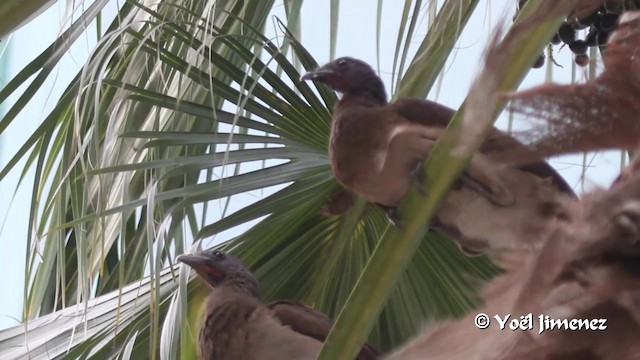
602, 114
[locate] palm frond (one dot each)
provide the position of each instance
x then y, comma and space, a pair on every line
173, 115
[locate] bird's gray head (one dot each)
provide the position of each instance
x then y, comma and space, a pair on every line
219, 269
349, 76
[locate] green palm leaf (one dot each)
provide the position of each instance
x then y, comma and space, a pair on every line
173, 119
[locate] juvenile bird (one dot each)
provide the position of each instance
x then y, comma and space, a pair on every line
237, 325
377, 149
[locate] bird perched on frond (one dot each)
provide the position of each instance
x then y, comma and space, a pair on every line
377, 150
238, 326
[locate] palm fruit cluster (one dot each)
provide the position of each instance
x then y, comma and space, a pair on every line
596, 26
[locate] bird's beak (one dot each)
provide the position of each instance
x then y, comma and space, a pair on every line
195, 261
317, 74
202, 265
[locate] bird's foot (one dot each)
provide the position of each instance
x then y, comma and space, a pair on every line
628, 221
488, 186
469, 247
417, 178
392, 215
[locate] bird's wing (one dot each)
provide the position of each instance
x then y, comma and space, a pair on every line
410, 142
424, 112
313, 323
339, 202
432, 114
302, 318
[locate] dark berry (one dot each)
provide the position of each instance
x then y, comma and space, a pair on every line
539, 62
556, 39
582, 60
579, 47
566, 33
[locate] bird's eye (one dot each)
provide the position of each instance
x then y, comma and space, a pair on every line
219, 255
342, 62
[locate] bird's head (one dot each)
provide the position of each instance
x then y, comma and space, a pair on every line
219, 269
349, 76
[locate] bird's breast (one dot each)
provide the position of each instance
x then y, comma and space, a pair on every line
352, 156
360, 159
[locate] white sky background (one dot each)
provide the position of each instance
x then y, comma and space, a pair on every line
355, 38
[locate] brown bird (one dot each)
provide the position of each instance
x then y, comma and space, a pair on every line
588, 270
237, 325
377, 149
